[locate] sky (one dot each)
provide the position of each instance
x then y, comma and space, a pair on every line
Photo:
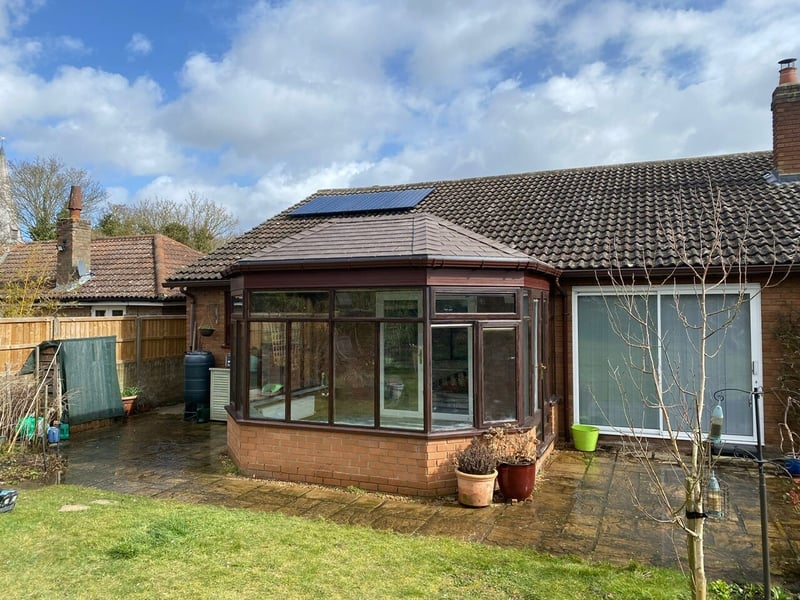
255, 105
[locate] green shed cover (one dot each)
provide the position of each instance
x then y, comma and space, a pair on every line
89, 376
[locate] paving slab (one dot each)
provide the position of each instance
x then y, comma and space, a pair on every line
584, 504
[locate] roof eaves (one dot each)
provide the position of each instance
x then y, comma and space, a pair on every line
419, 260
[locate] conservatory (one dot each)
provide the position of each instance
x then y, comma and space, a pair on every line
367, 349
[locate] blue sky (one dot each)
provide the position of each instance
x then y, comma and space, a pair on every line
255, 105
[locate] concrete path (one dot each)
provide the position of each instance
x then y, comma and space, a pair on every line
583, 505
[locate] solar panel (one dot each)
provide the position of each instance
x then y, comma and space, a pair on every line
362, 202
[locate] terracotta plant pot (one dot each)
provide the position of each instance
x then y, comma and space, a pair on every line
516, 481
127, 404
475, 490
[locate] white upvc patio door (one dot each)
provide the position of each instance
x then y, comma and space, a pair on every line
614, 384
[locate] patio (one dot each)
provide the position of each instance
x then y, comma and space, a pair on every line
583, 504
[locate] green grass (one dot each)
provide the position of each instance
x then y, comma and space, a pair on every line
138, 547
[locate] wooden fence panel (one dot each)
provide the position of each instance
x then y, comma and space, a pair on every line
138, 338
162, 337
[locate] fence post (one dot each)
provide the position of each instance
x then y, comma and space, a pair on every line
138, 347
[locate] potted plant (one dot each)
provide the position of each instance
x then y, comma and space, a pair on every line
790, 439
206, 329
475, 473
129, 396
515, 451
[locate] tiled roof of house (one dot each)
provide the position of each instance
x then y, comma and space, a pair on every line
408, 237
589, 218
123, 268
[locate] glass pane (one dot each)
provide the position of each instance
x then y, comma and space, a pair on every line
355, 303
496, 303
354, 365
289, 304
727, 363
309, 372
500, 374
615, 376
267, 370
400, 304
451, 376
401, 375
499, 303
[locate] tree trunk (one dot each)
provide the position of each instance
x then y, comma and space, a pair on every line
694, 539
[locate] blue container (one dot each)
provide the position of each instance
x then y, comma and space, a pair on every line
52, 435
63, 431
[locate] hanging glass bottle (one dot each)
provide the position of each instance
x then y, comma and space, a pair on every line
717, 418
714, 498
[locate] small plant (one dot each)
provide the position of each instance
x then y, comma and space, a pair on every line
131, 390
723, 590
512, 445
476, 459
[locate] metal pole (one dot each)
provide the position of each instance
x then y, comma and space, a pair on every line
762, 496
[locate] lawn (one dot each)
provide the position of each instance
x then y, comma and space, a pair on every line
74, 542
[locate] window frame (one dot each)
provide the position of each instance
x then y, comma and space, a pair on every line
751, 290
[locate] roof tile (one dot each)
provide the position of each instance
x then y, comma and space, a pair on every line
588, 218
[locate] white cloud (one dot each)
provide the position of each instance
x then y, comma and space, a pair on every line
329, 93
139, 45
15, 13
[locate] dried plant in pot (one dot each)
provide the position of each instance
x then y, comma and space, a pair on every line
515, 451
475, 473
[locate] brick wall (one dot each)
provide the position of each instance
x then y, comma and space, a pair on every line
209, 308
786, 128
408, 466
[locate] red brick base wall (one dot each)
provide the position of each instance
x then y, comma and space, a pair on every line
408, 466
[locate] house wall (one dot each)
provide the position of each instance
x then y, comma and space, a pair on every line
177, 308
776, 301
208, 307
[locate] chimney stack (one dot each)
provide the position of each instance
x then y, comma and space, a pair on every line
75, 202
786, 120
74, 240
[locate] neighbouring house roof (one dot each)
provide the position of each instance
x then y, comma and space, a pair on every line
131, 268
409, 239
587, 219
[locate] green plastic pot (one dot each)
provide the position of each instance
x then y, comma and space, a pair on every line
585, 437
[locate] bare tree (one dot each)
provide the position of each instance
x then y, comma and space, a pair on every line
26, 292
40, 191
662, 372
196, 222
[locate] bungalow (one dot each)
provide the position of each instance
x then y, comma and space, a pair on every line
372, 332
102, 277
